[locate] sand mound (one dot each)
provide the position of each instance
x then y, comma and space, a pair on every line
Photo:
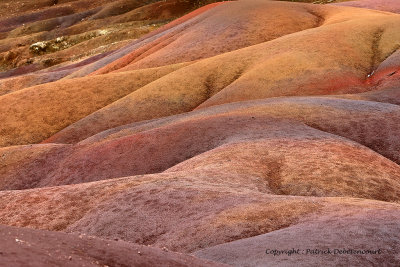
42, 248
384, 5
223, 131
361, 60
346, 233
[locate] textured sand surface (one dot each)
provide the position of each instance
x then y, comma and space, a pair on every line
43, 248
213, 129
384, 5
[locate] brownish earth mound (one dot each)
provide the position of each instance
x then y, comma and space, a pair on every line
384, 5
270, 64
44, 248
221, 131
46, 33
346, 232
152, 147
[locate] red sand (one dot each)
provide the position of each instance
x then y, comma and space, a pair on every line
384, 5
122, 62
44, 248
241, 126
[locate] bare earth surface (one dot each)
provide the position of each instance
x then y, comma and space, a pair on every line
43, 248
199, 133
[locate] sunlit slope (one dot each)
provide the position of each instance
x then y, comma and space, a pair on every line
302, 63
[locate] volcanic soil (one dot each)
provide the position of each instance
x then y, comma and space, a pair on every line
199, 133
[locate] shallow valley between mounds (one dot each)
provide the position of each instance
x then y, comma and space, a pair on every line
199, 134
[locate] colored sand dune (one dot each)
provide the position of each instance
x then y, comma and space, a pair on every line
199, 133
